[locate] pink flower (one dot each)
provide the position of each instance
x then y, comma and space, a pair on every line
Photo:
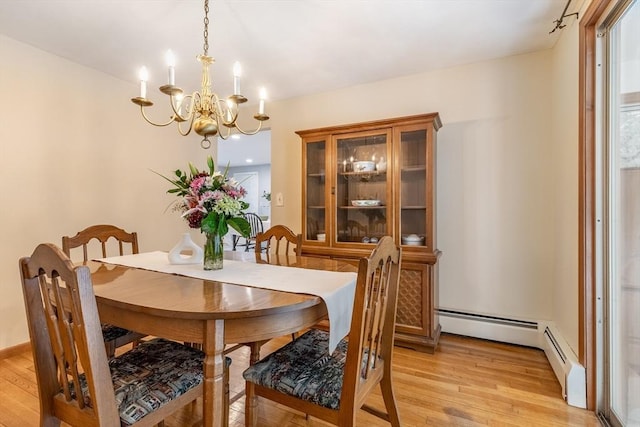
235, 192
197, 184
211, 195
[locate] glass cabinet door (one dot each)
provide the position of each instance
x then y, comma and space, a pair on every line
362, 192
413, 188
315, 221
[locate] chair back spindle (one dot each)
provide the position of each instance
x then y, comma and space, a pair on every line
256, 228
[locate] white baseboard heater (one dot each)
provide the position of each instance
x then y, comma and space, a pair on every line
543, 335
571, 374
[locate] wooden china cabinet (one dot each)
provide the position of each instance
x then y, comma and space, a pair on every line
366, 180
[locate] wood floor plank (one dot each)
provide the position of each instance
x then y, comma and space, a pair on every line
466, 383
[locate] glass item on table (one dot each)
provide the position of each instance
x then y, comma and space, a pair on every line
213, 252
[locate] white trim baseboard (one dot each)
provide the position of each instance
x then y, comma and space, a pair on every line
539, 334
521, 332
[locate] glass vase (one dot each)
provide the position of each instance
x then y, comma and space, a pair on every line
213, 252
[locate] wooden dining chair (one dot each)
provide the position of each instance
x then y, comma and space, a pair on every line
77, 384
278, 240
102, 233
257, 227
303, 375
275, 234
114, 336
272, 239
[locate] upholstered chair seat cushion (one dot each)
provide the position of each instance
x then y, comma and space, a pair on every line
111, 332
152, 374
304, 369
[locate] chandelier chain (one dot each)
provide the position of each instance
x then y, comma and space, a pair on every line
206, 27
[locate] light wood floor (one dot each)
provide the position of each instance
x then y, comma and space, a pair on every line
468, 382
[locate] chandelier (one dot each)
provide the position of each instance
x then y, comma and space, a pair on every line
203, 112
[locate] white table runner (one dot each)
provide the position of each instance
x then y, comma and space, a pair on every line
337, 289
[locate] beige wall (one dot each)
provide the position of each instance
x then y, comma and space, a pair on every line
564, 152
496, 180
74, 151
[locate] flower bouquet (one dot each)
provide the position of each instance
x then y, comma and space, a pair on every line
210, 201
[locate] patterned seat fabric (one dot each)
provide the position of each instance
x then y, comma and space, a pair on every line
304, 369
152, 374
111, 332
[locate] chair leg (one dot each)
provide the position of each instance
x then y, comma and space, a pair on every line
389, 400
110, 347
225, 408
250, 406
49, 420
255, 353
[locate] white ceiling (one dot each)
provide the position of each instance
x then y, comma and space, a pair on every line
291, 47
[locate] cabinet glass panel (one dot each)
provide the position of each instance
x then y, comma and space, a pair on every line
316, 153
361, 188
413, 190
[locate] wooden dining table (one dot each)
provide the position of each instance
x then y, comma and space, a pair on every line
208, 312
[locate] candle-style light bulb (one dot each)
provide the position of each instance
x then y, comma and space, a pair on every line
171, 63
143, 75
237, 71
263, 97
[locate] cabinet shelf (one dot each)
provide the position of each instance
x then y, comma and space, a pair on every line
360, 174
419, 168
317, 175
362, 207
413, 207
316, 207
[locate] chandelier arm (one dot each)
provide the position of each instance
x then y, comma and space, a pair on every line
188, 108
171, 120
223, 136
176, 113
227, 115
214, 108
192, 114
252, 132
188, 131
